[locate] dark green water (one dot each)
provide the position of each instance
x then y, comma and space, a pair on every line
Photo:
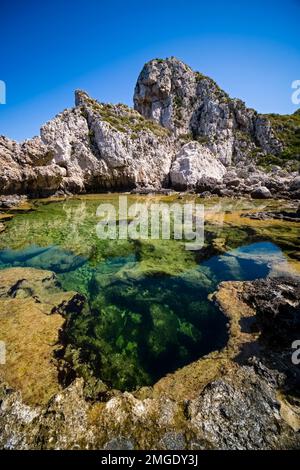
148, 309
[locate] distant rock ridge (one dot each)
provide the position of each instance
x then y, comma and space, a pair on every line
184, 133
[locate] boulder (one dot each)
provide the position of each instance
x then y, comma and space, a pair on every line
195, 163
295, 184
261, 193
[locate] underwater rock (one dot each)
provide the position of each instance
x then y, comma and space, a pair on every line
50, 258
57, 260
31, 309
9, 256
288, 216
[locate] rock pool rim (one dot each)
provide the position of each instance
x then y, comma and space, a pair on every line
46, 210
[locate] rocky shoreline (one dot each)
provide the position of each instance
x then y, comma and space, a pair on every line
245, 396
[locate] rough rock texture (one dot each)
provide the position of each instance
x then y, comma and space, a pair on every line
108, 147
27, 169
187, 102
31, 308
238, 412
289, 216
277, 306
261, 193
100, 147
239, 398
195, 163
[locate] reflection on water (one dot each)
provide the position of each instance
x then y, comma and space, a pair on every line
148, 310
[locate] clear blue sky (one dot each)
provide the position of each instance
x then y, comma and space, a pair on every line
49, 48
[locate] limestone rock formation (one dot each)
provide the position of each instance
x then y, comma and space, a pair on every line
31, 309
104, 147
99, 147
27, 168
189, 103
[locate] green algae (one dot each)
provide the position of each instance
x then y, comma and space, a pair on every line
147, 311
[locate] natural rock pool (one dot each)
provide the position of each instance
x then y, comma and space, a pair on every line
148, 311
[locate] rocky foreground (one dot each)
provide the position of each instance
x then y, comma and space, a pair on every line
243, 397
184, 133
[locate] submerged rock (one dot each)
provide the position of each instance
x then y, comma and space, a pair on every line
288, 216
193, 164
31, 309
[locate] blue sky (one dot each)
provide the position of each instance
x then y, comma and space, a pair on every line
48, 49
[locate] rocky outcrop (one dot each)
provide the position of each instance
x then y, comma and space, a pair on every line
182, 133
109, 147
189, 103
27, 169
277, 306
289, 216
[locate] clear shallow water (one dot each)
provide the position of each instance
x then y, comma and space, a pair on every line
148, 310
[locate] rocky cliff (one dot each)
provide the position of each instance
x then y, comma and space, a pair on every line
184, 133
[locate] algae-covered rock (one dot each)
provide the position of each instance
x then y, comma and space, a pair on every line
31, 309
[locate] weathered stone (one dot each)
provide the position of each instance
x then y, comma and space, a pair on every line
295, 184
261, 193
222, 401
195, 163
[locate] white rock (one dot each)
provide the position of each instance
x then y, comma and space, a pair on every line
195, 162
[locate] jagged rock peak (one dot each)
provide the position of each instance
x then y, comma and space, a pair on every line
81, 97
169, 91
191, 104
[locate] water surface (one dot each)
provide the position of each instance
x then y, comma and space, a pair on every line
148, 312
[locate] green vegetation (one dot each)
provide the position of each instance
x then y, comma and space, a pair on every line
178, 102
287, 130
202, 139
200, 76
242, 135
186, 137
124, 119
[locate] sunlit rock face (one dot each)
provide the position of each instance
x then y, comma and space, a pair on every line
98, 147
108, 146
187, 102
193, 163
31, 317
27, 168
